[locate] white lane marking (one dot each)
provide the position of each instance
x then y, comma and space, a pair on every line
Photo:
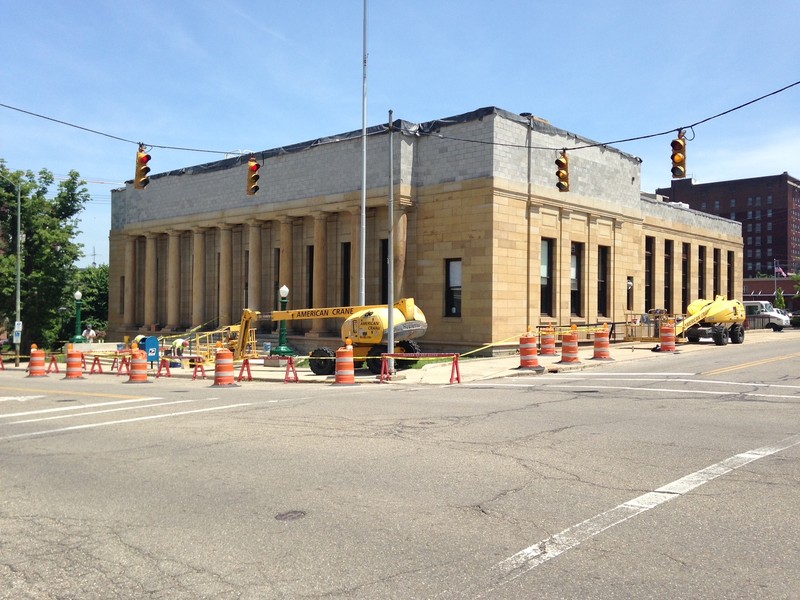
537, 554
122, 421
675, 391
19, 398
709, 381
99, 412
75, 407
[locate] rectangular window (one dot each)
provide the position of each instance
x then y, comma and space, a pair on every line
701, 272
546, 283
686, 276
384, 271
345, 283
717, 258
649, 257
452, 287
603, 277
576, 279
668, 245
310, 276
730, 274
122, 300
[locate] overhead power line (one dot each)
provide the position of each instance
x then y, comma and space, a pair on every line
580, 147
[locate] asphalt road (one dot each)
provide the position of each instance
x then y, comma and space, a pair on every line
674, 478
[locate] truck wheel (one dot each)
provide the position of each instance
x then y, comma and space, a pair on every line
374, 360
322, 361
720, 335
737, 334
409, 347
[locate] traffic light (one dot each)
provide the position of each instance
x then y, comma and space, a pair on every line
252, 176
679, 156
141, 179
562, 162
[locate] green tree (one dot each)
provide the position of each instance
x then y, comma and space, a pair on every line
780, 301
48, 226
93, 283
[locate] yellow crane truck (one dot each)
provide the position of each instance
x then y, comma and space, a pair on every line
367, 327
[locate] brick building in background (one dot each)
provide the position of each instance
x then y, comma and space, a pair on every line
483, 240
768, 209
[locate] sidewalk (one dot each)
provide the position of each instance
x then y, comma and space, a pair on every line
441, 373
470, 369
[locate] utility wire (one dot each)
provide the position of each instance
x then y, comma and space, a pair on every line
622, 141
439, 135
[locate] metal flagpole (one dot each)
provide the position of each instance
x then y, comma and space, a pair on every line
362, 255
390, 266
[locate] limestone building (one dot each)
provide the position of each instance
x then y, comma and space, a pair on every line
483, 239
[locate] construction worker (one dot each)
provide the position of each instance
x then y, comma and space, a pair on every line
178, 346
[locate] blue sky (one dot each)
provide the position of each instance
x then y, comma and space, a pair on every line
230, 75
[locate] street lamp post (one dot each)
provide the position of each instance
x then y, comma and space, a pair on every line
78, 337
19, 261
283, 349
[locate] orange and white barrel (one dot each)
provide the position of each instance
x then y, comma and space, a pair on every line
74, 365
345, 370
569, 348
36, 365
138, 373
602, 348
549, 342
667, 337
223, 368
528, 355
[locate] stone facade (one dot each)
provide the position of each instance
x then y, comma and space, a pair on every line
474, 197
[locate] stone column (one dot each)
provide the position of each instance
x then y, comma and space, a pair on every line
225, 274
254, 266
150, 281
286, 256
400, 247
198, 276
318, 326
129, 293
173, 280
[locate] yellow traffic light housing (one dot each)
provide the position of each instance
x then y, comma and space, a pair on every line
562, 162
141, 179
679, 156
252, 176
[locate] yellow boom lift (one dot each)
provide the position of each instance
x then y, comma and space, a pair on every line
367, 327
720, 319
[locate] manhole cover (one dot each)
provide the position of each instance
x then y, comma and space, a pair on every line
291, 515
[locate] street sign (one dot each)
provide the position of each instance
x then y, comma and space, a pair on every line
17, 337
17, 325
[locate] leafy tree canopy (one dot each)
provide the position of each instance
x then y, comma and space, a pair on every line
48, 226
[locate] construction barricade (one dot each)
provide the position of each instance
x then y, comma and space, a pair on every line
36, 364
602, 347
528, 355
569, 349
548, 342
74, 365
668, 337
223, 369
138, 367
455, 373
345, 370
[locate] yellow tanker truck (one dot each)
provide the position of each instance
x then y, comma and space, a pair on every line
367, 327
